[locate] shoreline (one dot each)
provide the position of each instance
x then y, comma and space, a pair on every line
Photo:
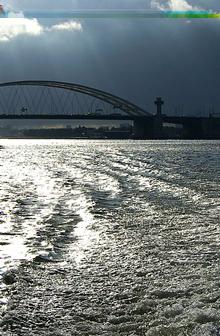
114, 139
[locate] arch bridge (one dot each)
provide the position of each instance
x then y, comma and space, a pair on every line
15, 99
41, 99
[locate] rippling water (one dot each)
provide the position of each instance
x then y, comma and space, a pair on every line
146, 212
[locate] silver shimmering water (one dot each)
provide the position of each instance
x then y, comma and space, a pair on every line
145, 213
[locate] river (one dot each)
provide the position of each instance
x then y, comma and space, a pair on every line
143, 214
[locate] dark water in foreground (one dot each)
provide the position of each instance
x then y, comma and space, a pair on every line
146, 211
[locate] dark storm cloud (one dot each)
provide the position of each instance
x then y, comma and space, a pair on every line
135, 59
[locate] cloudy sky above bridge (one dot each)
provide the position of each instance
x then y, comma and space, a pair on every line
136, 59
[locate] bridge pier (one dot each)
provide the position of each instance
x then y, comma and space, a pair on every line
210, 128
150, 127
193, 130
204, 128
143, 128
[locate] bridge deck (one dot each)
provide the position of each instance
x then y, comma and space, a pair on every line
168, 119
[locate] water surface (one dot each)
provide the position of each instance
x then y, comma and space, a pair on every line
145, 213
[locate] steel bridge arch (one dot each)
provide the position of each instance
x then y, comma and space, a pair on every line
123, 104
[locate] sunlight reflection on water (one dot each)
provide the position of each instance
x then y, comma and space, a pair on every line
85, 236
145, 214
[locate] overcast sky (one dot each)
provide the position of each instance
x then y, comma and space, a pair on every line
136, 59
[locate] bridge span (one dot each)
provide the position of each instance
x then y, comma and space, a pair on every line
16, 102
